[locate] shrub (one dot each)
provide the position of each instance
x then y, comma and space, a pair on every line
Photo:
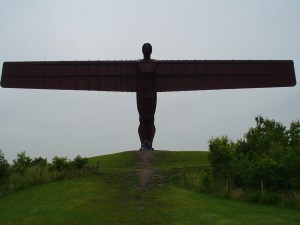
23, 161
26, 172
4, 167
268, 152
206, 179
269, 198
80, 162
60, 163
41, 162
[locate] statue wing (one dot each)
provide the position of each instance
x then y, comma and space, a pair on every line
75, 75
223, 74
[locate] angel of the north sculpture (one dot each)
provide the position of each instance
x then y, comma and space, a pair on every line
148, 76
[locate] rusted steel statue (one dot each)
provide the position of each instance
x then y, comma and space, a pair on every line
146, 77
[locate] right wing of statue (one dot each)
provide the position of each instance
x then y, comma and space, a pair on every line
188, 75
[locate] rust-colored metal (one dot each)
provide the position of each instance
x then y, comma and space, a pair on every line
146, 77
89, 75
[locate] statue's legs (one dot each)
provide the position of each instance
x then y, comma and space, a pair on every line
146, 108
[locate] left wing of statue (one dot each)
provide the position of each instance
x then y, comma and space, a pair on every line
72, 75
187, 75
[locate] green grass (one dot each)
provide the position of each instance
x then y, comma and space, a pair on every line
182, 159
112, 197
123, 160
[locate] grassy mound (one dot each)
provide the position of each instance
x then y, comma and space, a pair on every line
133, 188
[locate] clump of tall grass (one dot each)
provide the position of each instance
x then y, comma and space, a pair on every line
198, 180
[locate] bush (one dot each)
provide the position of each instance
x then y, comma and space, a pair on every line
4, 167
60, 163
198, 180
42, 162
206, 179
26, 172
221, 156
268, 152
80, 162
23, 161
269, 198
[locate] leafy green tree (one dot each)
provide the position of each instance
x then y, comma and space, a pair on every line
4, 167
259, 140
268, 152
80, 162
221, 157
60, 163
292, 160
294, 134
23, 161
41, 162
263, 146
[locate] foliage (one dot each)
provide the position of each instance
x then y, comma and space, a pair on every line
23, 161
26, 172
113, 198
80, 162
4, 167
221, 156
60, 163
268, 153
42, 162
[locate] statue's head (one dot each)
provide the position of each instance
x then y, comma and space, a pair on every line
147, 50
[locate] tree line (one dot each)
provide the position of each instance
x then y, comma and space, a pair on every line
267, 157
25, 171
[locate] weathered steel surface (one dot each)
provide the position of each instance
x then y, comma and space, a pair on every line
169, 75
223, 74
147, 77
146, 98
89, 75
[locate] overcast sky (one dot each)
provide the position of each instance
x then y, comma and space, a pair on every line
69, 123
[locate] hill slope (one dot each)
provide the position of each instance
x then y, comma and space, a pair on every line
132, 188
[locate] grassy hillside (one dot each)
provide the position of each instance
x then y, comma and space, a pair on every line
132, 188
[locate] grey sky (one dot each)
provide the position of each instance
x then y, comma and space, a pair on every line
68, 123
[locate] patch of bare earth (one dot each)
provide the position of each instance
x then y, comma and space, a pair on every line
144, 173
148, 177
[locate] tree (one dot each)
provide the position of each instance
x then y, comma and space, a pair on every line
4, 167
80, 162
41, 162
221, 156
60, 163
23, 161
294, 134
268, 152
259, 140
